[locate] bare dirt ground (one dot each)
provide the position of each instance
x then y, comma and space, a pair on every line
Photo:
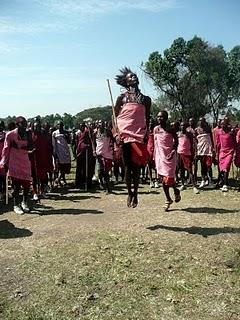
81, 255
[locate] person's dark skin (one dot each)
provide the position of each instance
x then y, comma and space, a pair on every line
133, 89
133, 94
23, 135
60, 127
2, 128
191, 123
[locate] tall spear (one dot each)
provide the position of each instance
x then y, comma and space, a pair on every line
113, 110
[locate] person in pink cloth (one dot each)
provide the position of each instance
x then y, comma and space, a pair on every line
104, 152
15, 160
133, 112
205, 151
186, 154
215, 133
225, 144
165, 154
2, 171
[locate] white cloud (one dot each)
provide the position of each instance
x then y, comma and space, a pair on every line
76, 12
9, 26
5, 48
91, 8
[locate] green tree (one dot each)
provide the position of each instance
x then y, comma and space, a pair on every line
103, 113
193, 75
234, 72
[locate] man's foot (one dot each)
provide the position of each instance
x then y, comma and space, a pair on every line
167, 204
202, 184
35, 197
25, 207
129, 200
18, 210
182, 187
224, 188
151, 184
195, 190
108, 191
156, 184
177, 195
134, 201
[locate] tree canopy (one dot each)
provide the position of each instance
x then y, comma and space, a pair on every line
196, 77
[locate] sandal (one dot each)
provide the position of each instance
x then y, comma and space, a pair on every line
167, 205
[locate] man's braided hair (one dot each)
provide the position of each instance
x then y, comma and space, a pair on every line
121, 78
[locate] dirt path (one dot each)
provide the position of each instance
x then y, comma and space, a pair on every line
199, 225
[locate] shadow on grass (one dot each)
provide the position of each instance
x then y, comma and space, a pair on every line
209, 210
8, 231
6, 207
74, 198
46, 211
205, 232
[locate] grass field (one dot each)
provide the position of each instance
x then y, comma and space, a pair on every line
87, 256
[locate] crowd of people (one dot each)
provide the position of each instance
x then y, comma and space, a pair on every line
35, 158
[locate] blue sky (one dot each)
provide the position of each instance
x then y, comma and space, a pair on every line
55, 55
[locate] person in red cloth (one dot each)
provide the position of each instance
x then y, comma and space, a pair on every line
2, 171
49, 154
40, 160
215, 133
15, 161
225, 144
165, 154
205, 151
132, 110
85, 157
186, 154
104, 152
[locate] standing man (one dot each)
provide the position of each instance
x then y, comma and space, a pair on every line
61, 152
85, 156
133, 112
165, 149
40, 160
186, 155
225, 144
104, 152
205, 151
15, 160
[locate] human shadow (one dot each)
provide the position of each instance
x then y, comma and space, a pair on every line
46, 211
209, 210
204, 232
68, 197
8, 231
5, 208
74, 189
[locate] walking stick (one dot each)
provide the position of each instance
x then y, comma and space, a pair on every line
233, 171
6, 199
113, 110
86, 184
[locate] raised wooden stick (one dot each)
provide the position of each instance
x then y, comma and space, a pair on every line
113, 110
